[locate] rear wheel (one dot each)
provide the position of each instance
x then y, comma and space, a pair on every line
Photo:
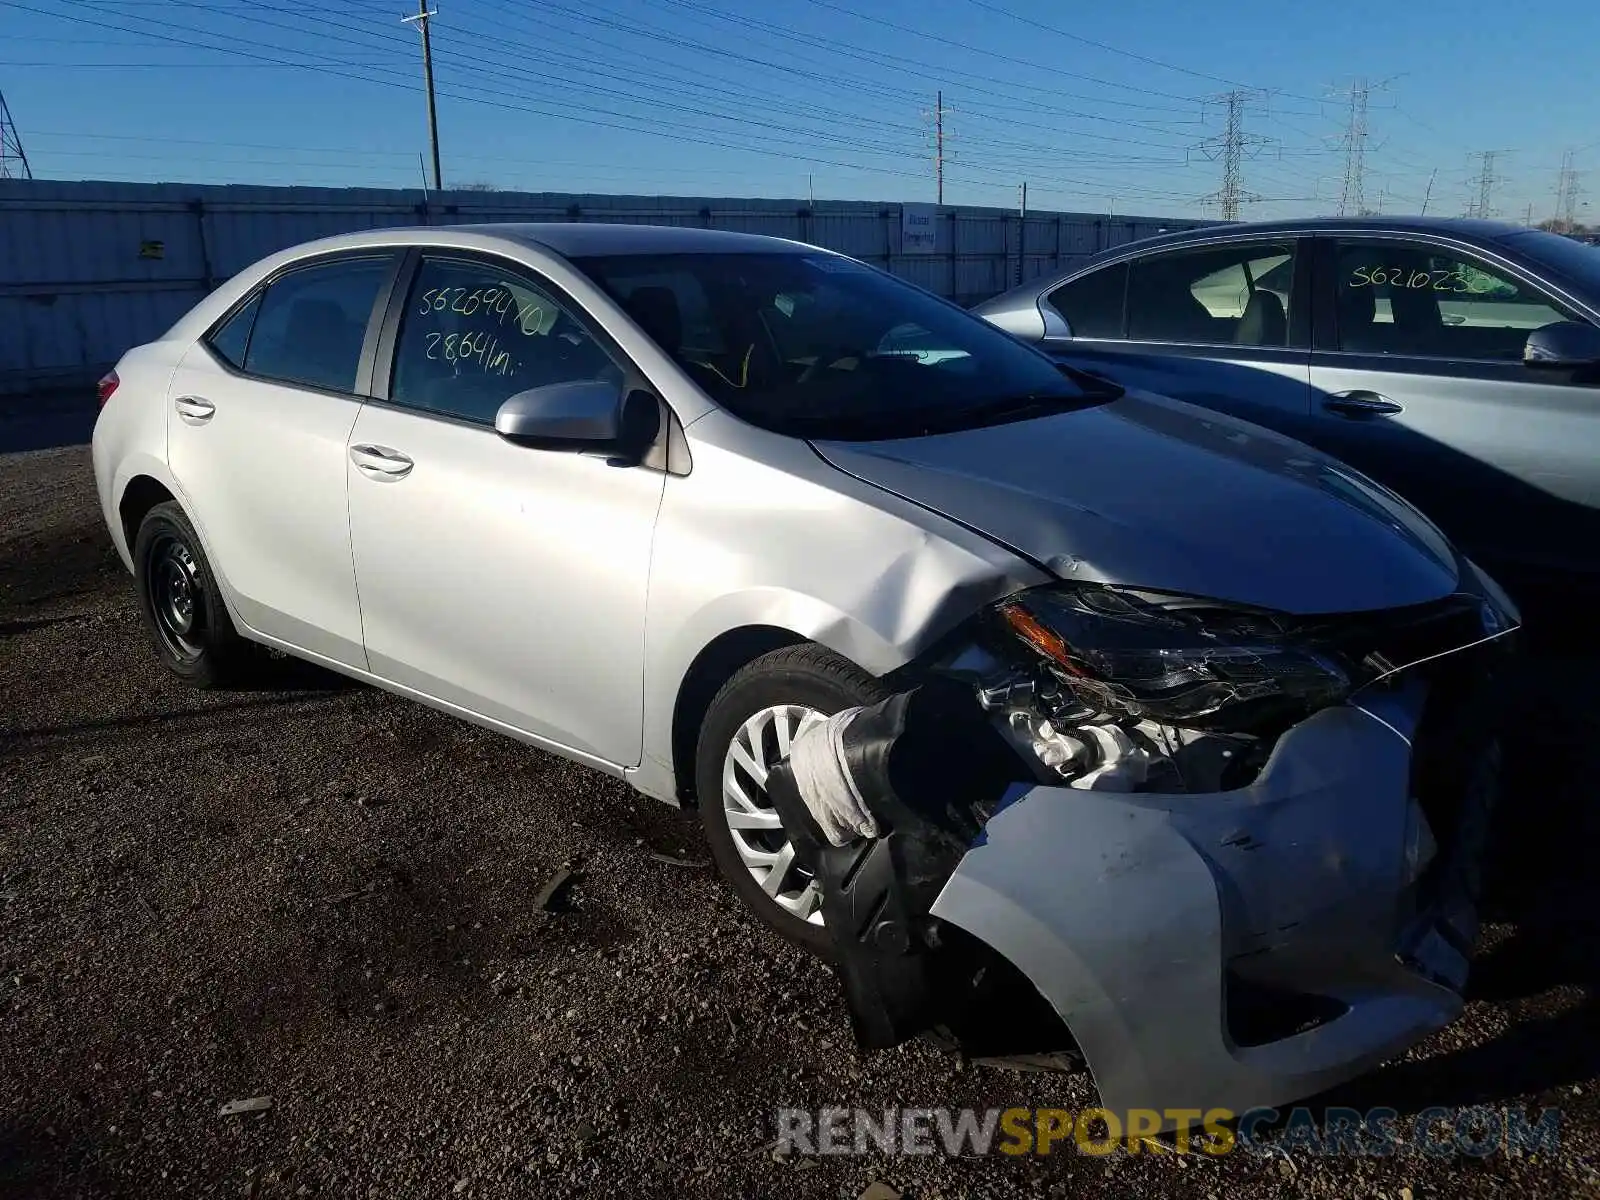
749, 726
181, 604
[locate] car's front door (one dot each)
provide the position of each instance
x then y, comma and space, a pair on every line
259, 412
500, 579
1224, 325
1418, 380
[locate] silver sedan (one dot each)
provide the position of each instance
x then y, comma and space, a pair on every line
654, 499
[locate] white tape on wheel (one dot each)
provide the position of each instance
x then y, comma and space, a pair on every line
817, 760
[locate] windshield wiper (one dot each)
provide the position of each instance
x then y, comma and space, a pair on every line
1094, 384
1009, 408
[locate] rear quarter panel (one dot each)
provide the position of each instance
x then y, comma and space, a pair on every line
130, 433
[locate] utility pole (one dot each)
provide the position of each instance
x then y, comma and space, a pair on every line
1567, 195
1353, 199
423, 16
1484, 181
13, 162
1428, 195
938, 142
1022, 227
1231, 146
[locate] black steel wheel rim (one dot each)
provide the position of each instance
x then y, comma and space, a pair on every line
172, 580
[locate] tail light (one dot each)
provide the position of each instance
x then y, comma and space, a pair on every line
107, 385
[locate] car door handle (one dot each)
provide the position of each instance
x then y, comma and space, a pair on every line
380, 462
195, 410
1360, 404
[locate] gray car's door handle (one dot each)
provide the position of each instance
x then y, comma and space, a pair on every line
195, 410
1360, 404
380, 462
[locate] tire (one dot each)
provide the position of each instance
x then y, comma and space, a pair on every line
795, 678
182, 606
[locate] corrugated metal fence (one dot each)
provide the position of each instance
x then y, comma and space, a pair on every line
89, 269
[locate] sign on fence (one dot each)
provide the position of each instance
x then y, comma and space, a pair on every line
919, 229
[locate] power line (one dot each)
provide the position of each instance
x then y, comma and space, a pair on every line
967, 49
983, 85
583, 115
1233, 84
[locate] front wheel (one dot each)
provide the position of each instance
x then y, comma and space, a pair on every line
181, 604
748, 728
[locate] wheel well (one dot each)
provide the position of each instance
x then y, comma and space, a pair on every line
714, 666
141, 495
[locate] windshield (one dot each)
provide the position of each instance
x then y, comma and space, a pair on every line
820, 346
1577, 263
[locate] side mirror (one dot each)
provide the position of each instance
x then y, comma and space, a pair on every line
1563, 345
583, 417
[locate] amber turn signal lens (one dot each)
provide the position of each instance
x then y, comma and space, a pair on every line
1043, 639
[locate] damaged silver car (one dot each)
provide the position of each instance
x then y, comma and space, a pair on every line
1124, 714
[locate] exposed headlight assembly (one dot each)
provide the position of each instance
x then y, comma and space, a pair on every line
1121, 689
1173, 660
1116, 689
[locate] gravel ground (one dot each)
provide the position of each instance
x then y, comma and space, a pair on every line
324, 894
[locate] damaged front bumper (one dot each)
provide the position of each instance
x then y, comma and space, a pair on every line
1247, 947
1205, 949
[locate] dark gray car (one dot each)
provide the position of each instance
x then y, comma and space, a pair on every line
1456, 361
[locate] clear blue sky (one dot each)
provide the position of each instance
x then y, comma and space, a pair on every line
1097, 106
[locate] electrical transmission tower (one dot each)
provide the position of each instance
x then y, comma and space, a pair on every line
1567, 195
1353, 141
13, 161
1484, 182
1232, 146
936, 141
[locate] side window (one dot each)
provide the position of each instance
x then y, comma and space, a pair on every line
1092, 305
1406, 298
232, 339
312, 322
1232, 294
473, 336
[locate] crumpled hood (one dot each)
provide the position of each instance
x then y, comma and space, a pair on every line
1155, 493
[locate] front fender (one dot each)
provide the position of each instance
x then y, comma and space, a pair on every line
763, 532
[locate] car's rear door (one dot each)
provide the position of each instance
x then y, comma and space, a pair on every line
1418, 380
1224, 324
505, 581
259, 412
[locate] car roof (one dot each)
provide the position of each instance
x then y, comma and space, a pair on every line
570, 239
1454, 226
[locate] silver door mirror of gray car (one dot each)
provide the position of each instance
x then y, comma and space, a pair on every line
582, 416
1563, 345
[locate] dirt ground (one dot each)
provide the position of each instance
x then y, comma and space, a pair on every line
323, 894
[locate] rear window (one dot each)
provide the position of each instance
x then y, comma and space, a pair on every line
312, 323
232, 339
1092, 304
